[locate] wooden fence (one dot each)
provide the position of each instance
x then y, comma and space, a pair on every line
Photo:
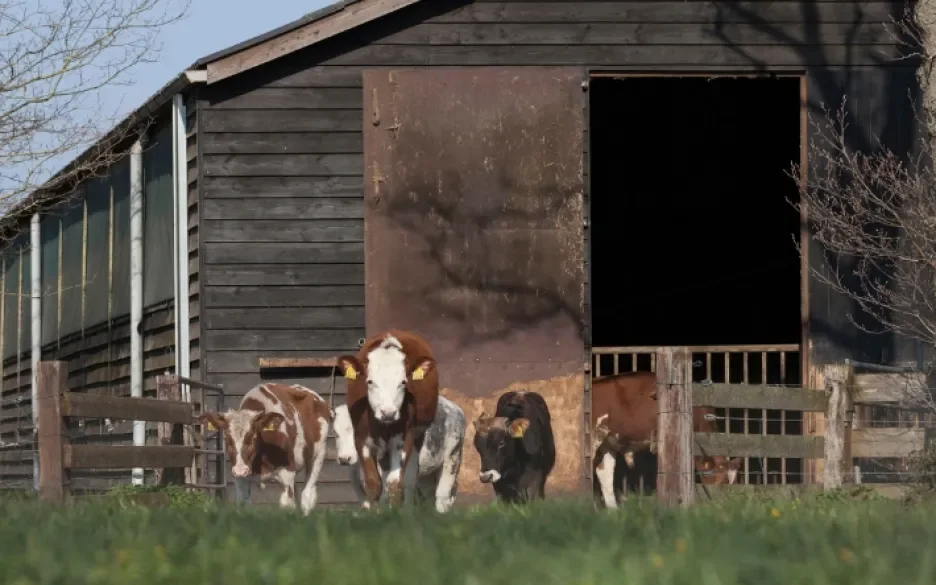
840, 444
58, 456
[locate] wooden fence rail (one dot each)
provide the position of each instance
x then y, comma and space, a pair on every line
57, 456
679, 443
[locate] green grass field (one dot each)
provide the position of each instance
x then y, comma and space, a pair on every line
563, 543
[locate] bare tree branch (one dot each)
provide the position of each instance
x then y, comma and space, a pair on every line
56, 58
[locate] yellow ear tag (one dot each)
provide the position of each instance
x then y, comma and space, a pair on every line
418, 374
517, 432
211, 427
349, 373
270, 427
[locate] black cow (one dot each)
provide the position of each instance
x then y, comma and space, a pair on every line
516, 447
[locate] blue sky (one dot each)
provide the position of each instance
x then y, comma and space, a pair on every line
211, 25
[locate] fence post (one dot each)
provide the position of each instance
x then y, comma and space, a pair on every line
53, 381
168, 388
836, 382
675, 480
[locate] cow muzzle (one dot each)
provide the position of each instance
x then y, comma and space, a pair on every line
388, 415
240, 471
490, 476
344, 460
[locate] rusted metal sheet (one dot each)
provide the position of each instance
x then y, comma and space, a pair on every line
474, 233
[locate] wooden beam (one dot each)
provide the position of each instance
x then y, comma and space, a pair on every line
878, 387
776, 490
836, 378
675, 478
53, 382
758, 397
792, 446
167, 433
887, 442
127, 457
272, 363
353, 15
96, 406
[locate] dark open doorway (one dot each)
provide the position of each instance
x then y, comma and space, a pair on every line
692, 235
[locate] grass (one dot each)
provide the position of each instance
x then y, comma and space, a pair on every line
820, 541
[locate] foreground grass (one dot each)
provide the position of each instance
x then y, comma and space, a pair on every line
552, 543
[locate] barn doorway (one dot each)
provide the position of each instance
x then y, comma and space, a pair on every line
692, 235
693, 239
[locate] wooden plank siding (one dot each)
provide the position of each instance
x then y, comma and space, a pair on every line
99, 362
281, 173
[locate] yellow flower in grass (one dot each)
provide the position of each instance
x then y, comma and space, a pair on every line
846, 555
775, 512
680, 545
657, 561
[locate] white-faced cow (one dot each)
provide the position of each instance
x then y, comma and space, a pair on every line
516, 447
393, 393
276, 431
439, 458
624, 419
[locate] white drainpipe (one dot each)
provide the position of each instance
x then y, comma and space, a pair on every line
136, 293
180, 196
35, 261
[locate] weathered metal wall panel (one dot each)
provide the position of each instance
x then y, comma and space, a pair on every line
474, 235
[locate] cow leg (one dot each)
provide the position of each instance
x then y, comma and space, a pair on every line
448, 479
242, 490
604, 474
309, 495
371, 473
395, 472
411, 481
287, 479
357, 481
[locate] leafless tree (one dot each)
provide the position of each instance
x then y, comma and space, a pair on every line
56, 58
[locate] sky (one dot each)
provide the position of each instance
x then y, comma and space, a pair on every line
210, 25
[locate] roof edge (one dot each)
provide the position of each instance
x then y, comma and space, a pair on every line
309, 30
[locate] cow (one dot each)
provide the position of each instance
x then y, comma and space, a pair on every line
516, 447
276, 431
393, 393
439, 458
624, 419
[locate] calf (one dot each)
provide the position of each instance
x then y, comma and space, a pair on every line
516, 447
439, 458
276, 431
624, 418
393, 393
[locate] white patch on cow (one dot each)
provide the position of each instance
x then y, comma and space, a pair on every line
490, 476
386, 379
732, 476
604, 473
629, 459
344, 436
287, 479
397, 460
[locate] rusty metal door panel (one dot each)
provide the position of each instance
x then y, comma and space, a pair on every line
474, 235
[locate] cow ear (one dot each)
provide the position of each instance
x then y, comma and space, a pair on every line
213, 420
518, 427
268, 421
421, 367
350, 366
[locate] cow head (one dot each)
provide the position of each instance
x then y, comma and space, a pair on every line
388, 374
718, 469
499, 443
241, 429
344, 436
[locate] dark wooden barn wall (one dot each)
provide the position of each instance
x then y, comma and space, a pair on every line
99, 362
282, 163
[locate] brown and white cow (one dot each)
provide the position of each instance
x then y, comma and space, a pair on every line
276, 431
393, 394
624, 419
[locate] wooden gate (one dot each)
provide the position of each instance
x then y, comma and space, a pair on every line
741, 364
474, 235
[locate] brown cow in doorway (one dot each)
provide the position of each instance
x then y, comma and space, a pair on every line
624, 419
393, 394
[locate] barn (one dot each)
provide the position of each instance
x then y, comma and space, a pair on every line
547, 190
